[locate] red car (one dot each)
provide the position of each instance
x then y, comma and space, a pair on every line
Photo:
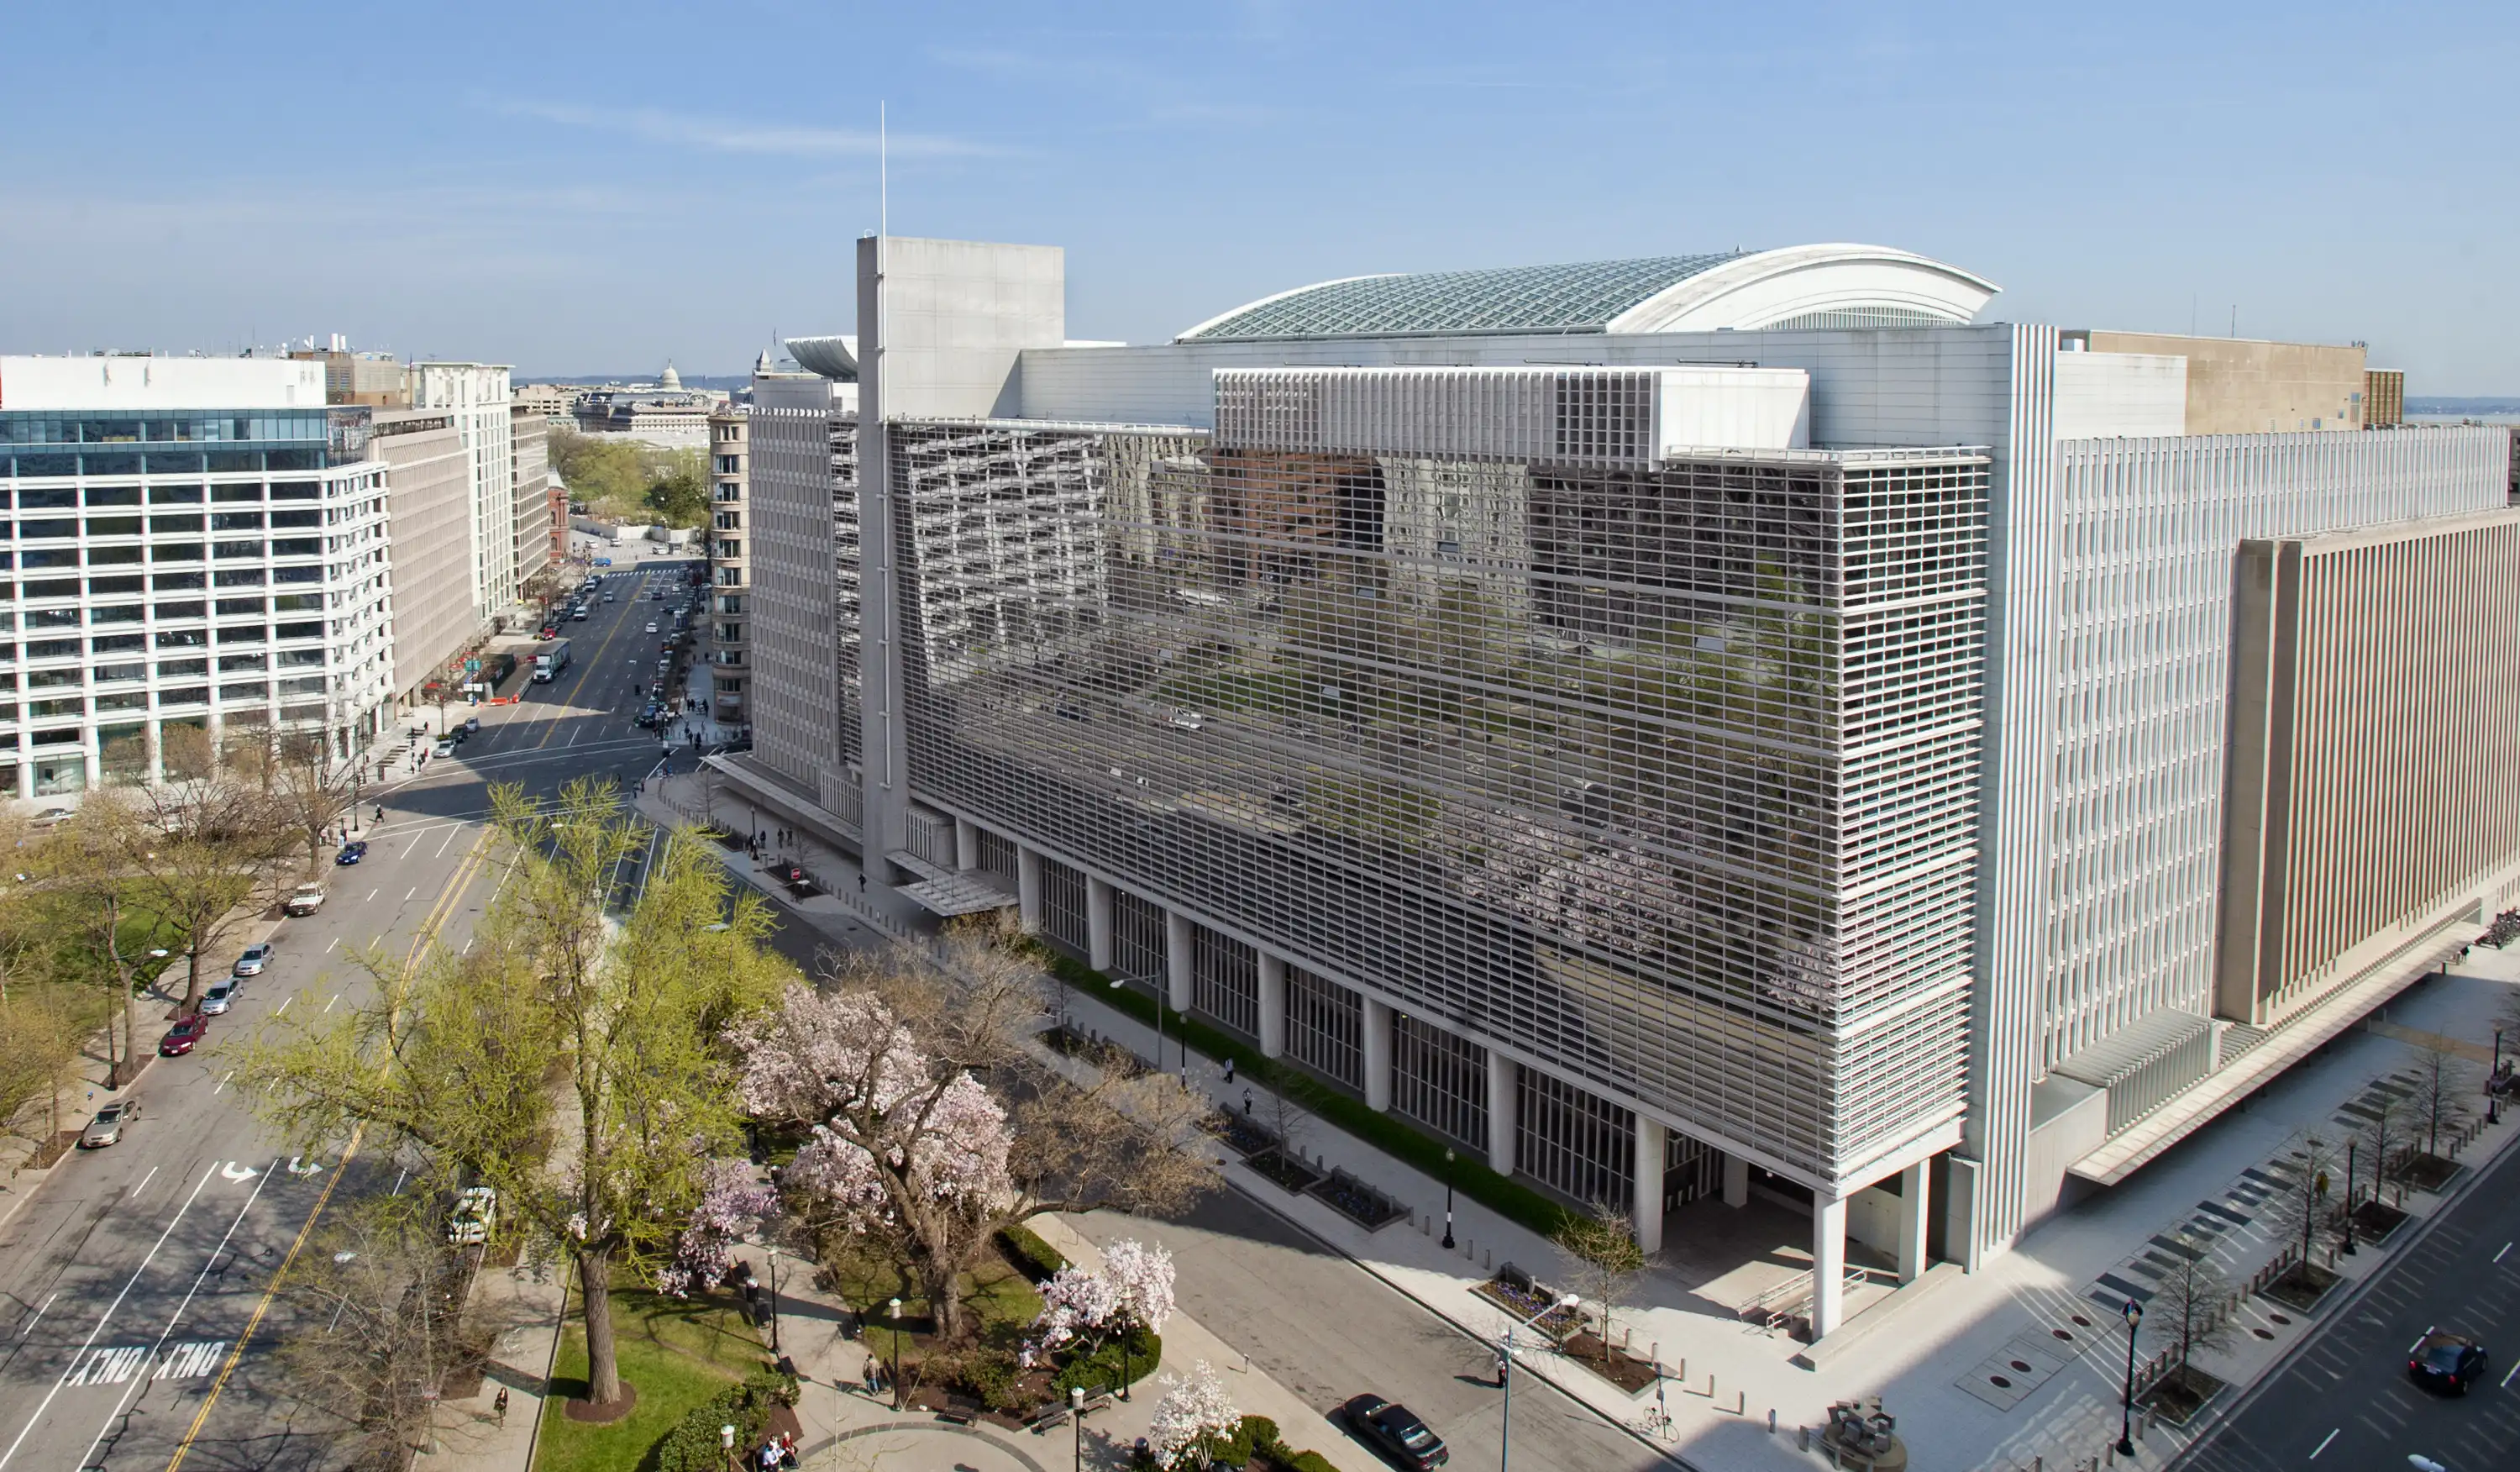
181, 1037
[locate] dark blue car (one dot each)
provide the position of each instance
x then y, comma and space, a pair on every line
352, 853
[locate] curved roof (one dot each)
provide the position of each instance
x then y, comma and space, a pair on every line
833, 357
1801, 286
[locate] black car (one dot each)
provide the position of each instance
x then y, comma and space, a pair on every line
352, 853
1396, 1431
2446, 1362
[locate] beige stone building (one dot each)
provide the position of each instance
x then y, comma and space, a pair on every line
2239, 386
730, 564
428, 503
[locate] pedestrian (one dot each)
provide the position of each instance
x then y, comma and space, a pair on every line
1500, 1371
1229, 1070
870, 1374
1247, 1103
501, 1405
862, 882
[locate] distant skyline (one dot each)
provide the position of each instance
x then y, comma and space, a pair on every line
582, 190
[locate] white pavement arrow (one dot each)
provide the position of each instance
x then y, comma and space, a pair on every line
300, 1166
234, 1171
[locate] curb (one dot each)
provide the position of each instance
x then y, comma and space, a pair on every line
2335, 1311
1665, 1454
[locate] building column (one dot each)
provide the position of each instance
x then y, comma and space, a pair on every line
1736, 1180
1177, 958
1378, 1055
93, 754
1913, 1184
1653, 1147
1829, 1264
1273, 1005
1097, 925
1027, 887
1504, 1100
967, 845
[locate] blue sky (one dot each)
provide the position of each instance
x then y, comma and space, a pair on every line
592, 187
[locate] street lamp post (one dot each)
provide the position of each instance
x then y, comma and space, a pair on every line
2493, 1078
893, 1311
1504, 1373
2349, 1196
1448, 1199
2126, 1408
1119, 982
774, 1302
1076, 1413
726, 1443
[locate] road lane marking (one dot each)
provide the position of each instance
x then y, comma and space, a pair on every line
452, 830
168, 1332
30, 1323
328, 1006
144, 1184
2420, 1338
372, 894
2507, 1247
234, 1171
408, 899
2322, 1443
2506, 1375
107, 1318
223, 1082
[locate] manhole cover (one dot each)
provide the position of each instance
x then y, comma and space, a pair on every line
2061, 1334
2278, 1318
2080, 1323
2022, 1365
2264, 1333
1999, 1382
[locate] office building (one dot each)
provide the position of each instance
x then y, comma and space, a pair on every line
730, 564
664, 413
429, 505
372, 379
554, 401
1677, 728
529, 491
476, 396
198, 542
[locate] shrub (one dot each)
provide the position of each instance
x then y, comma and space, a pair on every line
692, 1445
1101, 1369
1036, 1259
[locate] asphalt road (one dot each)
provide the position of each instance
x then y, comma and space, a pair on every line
1326, 1330
2343, 1401
129, 1282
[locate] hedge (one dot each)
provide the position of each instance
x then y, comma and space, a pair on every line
1101, 1369
1508, 1198
1036, 1259
694, 1445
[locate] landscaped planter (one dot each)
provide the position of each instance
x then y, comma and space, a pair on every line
2429, 1173
2182, 1394
1514, 1291
1240, 1135
1289, 1172
2375, 1219
1621, 1368
1357, 1202
2301, 1286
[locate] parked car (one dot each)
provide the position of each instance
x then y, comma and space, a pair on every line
471, 724
53, 817
550, 631
183, 1036
352, 853
106, 1127
305, 899
1395, 1431
469, 1224
220, 996
603, 562
256, 956
445, 746
2443, 1360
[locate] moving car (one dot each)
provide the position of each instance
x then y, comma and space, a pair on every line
608, 595
1395, 1431
445, 746
305, 899
183, 1035
220, 996
352, 853
2443, 1360
577, 614
471, 724
256, 956
651, 627
550, 631
603, 562
469, 1223
106, 1127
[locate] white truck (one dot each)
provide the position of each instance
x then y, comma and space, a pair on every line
551, 661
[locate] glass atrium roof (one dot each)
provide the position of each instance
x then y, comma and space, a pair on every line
1581, 298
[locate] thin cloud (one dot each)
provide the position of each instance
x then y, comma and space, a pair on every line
724, 136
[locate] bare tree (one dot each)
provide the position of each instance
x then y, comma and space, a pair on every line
2384, 1131
2438, 1101
1602, 1259
2301, 1211
2193, 1297
311, 792
195, 869
77, 876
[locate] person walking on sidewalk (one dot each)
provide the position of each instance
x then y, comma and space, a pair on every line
500, 1405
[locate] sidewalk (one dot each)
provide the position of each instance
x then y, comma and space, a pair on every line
2017, 1366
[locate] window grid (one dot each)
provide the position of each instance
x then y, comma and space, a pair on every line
1440, 1079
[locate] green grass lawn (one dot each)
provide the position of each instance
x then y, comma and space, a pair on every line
676, 1354
1000, 1303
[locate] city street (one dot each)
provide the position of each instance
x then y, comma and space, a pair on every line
2345, 1401
129, 1282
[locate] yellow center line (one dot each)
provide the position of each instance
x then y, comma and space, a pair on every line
585, 672
457, 883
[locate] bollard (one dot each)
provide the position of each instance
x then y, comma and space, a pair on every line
1491, 1261
2112, 1453
1771, 1420
1627, 1338
1803, 1433
1740, 1403
1425, 1226
1683, 1376
1710, 1385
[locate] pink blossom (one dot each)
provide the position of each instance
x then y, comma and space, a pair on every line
732, 1204
1192, 1418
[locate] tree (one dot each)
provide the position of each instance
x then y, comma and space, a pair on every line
732, 1203
193, 877
1193, 1421
2439, 1101
311, 793
451, 1057
2383, 1131
912, 1151
77, 875
2301, 1209
1602, 1257
382, 1318
606, 475
2190, 1301
678, 490
1133, 1289
42, 1059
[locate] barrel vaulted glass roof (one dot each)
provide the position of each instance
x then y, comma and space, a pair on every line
1580, 298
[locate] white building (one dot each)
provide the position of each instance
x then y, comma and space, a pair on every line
196, 541
477, 395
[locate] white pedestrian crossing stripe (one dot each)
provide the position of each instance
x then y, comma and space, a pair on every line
115, 1364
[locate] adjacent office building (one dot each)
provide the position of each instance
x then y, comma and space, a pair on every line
1677, 728
529, 491
476, 396
729, 564
429, 504
197, 542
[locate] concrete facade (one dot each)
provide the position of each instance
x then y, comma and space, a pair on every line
530, 476
428, 490
729, 564
2239, 386
476, 395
